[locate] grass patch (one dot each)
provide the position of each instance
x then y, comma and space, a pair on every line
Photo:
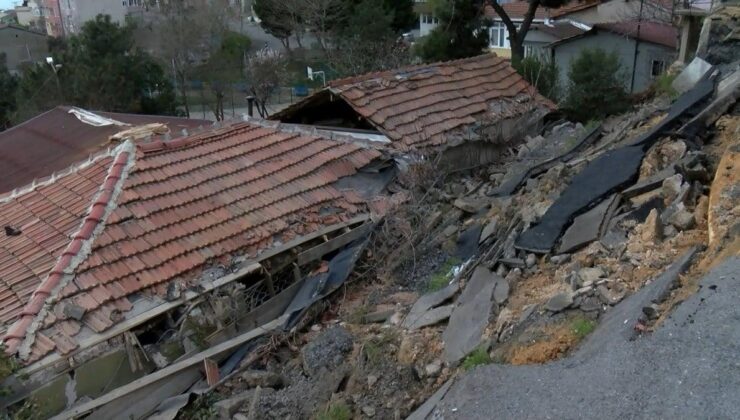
478, 357
357, 316
664, 85
374, 349
441, 278
336, 411
582, 327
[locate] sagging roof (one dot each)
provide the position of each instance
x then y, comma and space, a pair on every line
417, 106
81, 249
56, 139
560, 29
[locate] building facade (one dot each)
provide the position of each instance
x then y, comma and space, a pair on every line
22, 46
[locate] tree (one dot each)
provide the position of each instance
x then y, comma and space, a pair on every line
459, 34
517, 35
266, 71
101, 70
278, 18
224, 67
596, 86
540, 72
8, 86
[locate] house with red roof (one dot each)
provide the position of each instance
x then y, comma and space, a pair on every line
154, 249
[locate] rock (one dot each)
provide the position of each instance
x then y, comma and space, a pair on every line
371, 380
513, 262
531, 260
503, 321
457, 189
702, 210
368, 411
669, 231
582, 291
263, 378
652, 229
560, 259
609, 296
651, 312
496, 178
225, 409
240, 416
500, 290
673, 151
672, 188
449, 231
327, 350
488, 230
591, 274
470, 205
590, 304
428, 301
559, 302
433, 369
513, 276
682, 219
396, 319
428, 318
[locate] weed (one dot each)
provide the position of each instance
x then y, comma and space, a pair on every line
336, 411
374, 349
441, 278
478, 357
357, 316
663, 85
582, 327
201, 408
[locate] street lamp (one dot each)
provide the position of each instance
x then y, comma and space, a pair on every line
55, 68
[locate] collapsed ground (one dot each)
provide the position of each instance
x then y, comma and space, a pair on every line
362, 354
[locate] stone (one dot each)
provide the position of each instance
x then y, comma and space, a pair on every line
513, 262
429, 301
672, 188
702, 211
457, 189
263, 378
225, 409
609, 296
591, 274
378, 316
396, 319
488, 230
682, 219
368, 411
470, 205
496, 178
651, 311
430, 317
327, 350
560, 259
73, 311
652, 229
672, 151
500, 290
531, 260
449, 231
240, 416
433, 369
371, 380
503, 320
582, 291
559, 302
514, 276
669, 231
590, 304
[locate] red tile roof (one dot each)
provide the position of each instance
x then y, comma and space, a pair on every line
655, 32
419, 106
517, 9
56, 139
151, 214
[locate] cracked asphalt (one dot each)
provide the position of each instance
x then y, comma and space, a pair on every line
689, 368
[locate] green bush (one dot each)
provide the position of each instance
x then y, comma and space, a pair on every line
336, 411
596, 86
478, 357
541, 73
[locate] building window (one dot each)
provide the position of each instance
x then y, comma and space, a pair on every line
657, 68
429, 19
498, 35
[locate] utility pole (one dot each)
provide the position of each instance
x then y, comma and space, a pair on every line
637, 45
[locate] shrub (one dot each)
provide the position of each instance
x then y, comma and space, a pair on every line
541, 73
583, 327
596, 86
478, 357
336, 411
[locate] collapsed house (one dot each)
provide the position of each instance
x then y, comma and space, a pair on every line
150, 252
471, 109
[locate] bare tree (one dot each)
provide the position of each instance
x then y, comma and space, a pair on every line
266, 71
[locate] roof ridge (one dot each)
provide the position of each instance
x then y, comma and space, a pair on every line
191, 140
21, 335
376, 74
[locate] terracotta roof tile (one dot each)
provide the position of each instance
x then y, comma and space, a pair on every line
159, 213
418, 106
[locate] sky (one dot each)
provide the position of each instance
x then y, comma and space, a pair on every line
6, 4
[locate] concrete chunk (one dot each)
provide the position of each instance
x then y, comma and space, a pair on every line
470, 317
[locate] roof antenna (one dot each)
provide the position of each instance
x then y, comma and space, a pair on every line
11, 231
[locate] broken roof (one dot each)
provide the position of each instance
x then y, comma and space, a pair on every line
416, 107
82, 248
653, 32
57, 139
560, 29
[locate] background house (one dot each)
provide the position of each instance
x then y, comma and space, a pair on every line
646, 54
541, 35
22, 46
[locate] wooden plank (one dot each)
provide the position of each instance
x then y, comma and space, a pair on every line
332, 244
169, 370
212, 374
250, 267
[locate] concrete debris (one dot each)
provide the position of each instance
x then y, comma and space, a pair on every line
682, 219
513, 262
433, 369
610, 296
225, 409
590, 275
690, 75
327, 350
489, 230
470, 205
430, 317
531, 260
429, 301
672, 188
262, 378
560, 259
559, 302
500, 289
586, 228
470, 317
652, 229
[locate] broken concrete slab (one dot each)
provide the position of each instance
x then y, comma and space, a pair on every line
470, 205
467, 242
513, 262
423, 412
559, 302
500, 289
470, 317
586, 228
430, 317
690, 75
489, 230
429, 301
225, 409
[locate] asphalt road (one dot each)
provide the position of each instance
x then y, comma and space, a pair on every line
688, 369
